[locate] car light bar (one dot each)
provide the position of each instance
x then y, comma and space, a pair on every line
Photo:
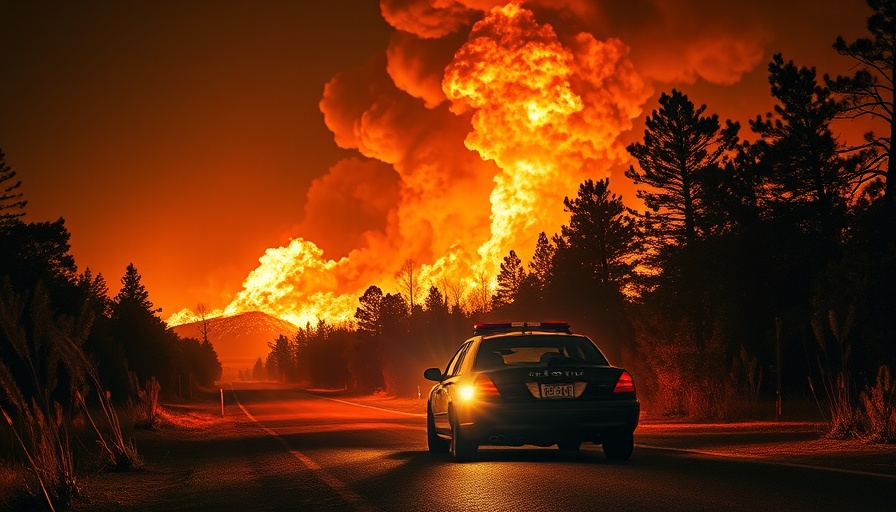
492, 328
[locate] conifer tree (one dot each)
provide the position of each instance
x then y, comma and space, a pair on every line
542, 261
12, 206
602, 233
681, 148
806, 179
510, 279
869, 92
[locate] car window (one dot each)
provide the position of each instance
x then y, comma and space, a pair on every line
457, 361
527, 350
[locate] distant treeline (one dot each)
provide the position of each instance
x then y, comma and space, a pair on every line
123, 337
763, 262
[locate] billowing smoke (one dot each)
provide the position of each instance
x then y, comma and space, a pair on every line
472, 128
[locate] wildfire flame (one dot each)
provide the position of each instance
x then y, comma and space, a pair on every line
545, 113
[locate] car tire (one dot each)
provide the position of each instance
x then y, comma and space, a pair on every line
462, 449
618, 446
435, 443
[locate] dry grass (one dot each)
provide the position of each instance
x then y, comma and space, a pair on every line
185, 418
45, 367
145, 412
879, 402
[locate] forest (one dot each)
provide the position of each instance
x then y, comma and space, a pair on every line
761, 273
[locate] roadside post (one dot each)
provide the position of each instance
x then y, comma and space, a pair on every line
779, 399
222, 402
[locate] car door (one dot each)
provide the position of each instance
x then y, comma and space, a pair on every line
440, 398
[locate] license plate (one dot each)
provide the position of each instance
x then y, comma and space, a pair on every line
557, 391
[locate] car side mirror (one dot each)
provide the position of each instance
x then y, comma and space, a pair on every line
433, 374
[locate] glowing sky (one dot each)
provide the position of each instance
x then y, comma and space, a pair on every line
188, 137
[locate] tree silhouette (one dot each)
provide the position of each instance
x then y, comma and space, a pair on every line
681, 147
133, 294
204, 326
258, 370
37, 251
12, 206
798, 154
410, 282
150, 348
542, 261
602, 233
369, 314
280, 359
510, 280
435, 302
869, 92
96, 290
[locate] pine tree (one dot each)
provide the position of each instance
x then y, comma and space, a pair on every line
869, 92
435, 302
369, 315
542, 261
681, 147
602, 233
150, 348
510, 280
133, 294
96, 291
12, 206
807, 179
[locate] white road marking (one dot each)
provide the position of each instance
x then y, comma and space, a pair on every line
354, 499
414, 414
757, 459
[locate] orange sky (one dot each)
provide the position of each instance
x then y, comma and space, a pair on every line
188, 139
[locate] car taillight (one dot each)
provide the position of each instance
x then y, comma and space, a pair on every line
625, 384
482, 387
485, 387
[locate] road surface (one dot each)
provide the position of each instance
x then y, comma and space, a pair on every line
293, 450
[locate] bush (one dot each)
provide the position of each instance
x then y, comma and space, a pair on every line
146, 412
835, 378
879, 402
677, 376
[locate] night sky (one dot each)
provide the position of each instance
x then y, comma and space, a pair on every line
188, 137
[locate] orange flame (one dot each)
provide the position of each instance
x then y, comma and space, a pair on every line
547, 114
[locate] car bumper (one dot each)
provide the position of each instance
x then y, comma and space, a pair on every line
547, 423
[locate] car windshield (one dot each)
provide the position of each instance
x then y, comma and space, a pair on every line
527, 350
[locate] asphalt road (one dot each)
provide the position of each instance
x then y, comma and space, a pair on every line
307, 452
290, 450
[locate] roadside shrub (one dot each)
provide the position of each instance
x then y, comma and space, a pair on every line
676, 377
835, 378
120, 455
45, 441
31, 384
146, 412
44, 367
879, 402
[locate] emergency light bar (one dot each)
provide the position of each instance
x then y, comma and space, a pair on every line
492, 328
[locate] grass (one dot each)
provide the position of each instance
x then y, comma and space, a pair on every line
879, 402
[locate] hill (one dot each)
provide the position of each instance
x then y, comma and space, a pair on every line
241, 339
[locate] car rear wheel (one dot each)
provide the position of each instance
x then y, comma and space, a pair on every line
435, 443
462, 449
618, 446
